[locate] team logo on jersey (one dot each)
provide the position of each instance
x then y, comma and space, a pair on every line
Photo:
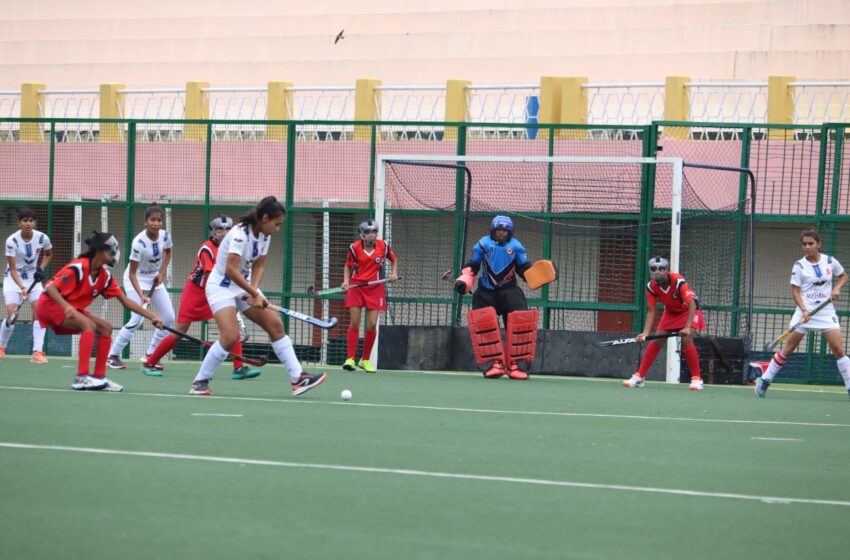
378, 260
255, 250
509, 251
94, 292
155, 250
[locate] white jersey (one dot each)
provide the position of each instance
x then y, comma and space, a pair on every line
239, 241
26, 254
815, 279
149, 256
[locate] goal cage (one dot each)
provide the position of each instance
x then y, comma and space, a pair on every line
599, 219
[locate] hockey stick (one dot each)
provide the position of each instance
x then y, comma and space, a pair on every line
258, 362
302, 317
784, 336
242, 328
312, 291
10, 320
621, 341
148, 294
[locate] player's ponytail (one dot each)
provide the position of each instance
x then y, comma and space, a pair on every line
269, 206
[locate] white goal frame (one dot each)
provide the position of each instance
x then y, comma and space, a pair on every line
677, 164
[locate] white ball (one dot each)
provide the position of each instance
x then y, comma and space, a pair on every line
345, 395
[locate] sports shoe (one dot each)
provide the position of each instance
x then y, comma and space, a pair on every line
88, 383
157, 365
366, 366
349, 364
150, 370
696, 384
2, 352
762, 385
38, 358
307, 382
635, 381
495, 371
245, 373
111, 386
516, 373
200, 388
115, 362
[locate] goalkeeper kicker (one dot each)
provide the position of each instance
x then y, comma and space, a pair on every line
500, 258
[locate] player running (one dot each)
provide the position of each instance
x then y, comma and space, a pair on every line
234, 285
365, 263
681, 313
814, 279
144, 282
62, 307
194, 306
25, 273
501, 258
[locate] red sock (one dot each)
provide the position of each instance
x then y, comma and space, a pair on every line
692, 357
103, 344
648, 357
237, 349
86, 346
165, 346
353, 338
368, 342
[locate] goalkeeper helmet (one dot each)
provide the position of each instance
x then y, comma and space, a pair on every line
105, 242
501, 222
658, 262
367, 227
220, 222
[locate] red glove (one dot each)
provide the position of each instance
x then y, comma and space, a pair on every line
464, 282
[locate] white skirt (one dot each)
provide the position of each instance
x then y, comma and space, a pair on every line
822, 321
12, 293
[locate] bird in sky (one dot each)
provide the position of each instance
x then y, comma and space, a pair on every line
339, 36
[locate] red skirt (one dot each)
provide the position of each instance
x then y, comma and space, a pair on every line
193, 304
671, 321
370, 297
50, 314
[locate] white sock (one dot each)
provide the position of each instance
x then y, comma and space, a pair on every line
215, 355
5, 333
38, 333
158, 336
286, 354
121, 340
776, 363
844, 367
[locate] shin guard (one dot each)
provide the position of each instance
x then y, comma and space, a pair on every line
485, 334
521, 339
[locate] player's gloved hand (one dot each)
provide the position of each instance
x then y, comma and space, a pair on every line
463, 283
38, 275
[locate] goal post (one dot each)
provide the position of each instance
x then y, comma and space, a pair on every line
598, 218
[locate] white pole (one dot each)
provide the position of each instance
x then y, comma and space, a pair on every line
104, 226
380, 209
168, 272
326, 271
78, 243
673, 361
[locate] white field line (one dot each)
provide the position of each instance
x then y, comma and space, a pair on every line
290, 400
212, 414
776, 439
429, 474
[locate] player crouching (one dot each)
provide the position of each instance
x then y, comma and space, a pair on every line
681, 313
502, 258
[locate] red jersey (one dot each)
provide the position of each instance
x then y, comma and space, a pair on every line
368, 266
79, 289
676, 297
204, 263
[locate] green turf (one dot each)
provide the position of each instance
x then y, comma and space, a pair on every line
74, 504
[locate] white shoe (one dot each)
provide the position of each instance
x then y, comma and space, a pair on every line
635, 381
696, 385
112, 387
88, 383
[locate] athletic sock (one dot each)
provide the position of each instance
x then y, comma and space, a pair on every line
86, 347
237, 349
648, 357
368, 342
779, 359
692, 358
38, 333
121, 340
353, 339
844, 367
215, 355
103, 343
286, 354
5, 333
167, 345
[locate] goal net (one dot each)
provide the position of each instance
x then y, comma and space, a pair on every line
598, 219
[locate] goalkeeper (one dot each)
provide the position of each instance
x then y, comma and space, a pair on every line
500, 258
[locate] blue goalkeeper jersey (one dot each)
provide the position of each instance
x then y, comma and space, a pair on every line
499, 264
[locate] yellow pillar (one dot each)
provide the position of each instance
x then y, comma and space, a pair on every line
457, 105
279, 109
551, 89
111, 107
197, 107
367, 99
677, 106
573, 107
31, 101
780, 106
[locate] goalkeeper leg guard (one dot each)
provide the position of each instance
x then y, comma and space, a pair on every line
486, 340
521, 341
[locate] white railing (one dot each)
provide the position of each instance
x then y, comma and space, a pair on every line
72, 104
506, 103
819, 102
10, 101
625, 104
154, 103
411, 104
726, 102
